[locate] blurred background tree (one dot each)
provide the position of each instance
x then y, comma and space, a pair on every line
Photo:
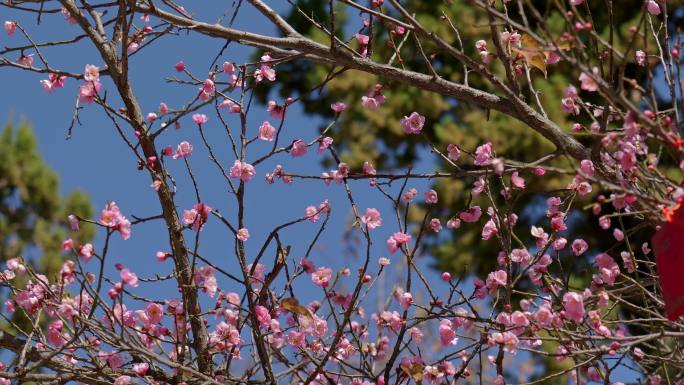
376, 136
33, 214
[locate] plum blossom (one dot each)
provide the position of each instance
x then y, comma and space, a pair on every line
321, 277
395, 241
453, 152
372, 218
243, 234
324, 143
431, 197
483, 154
471, 215
265, 70
242, 170
447, 333
608, 269
412, 124
338, 107
111, 217
199, 119
579, 246
10, 27
374, 99
87, 92
640, 57
267, 131
313, 213
435, 225
517, 181
184, 150
53, 82
128, 277
573, 304
205, 278
298, 148
587, 81
652, 7
197, 216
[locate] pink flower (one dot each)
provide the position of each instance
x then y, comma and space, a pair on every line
517, 181
324, 143
184, 150
53, 82
197, 216
652, 7
409, 195
154, 313
111, 217
74, 222
88, 91
640, 57
243, 234
123, 380
453, 152
576, 2
242, 170
321, 277
374, 99
362, 39
180, 66
141, 368
338, 107
431, 197
447, 334
608, 269
265, 71
412, 124
405, 300
618, 234
579, 246
199, 119
298, 148
587, 168
435, 225
453, 223
496, 279
276, 111
483, 154
128, 277
573, 305
163, 109
86, 251
312, 213
587, 82
471, 215
91, 73
489, 230
204, 277
266, 131
558, 223
10, 27
396, 240
208, 88
372, 218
